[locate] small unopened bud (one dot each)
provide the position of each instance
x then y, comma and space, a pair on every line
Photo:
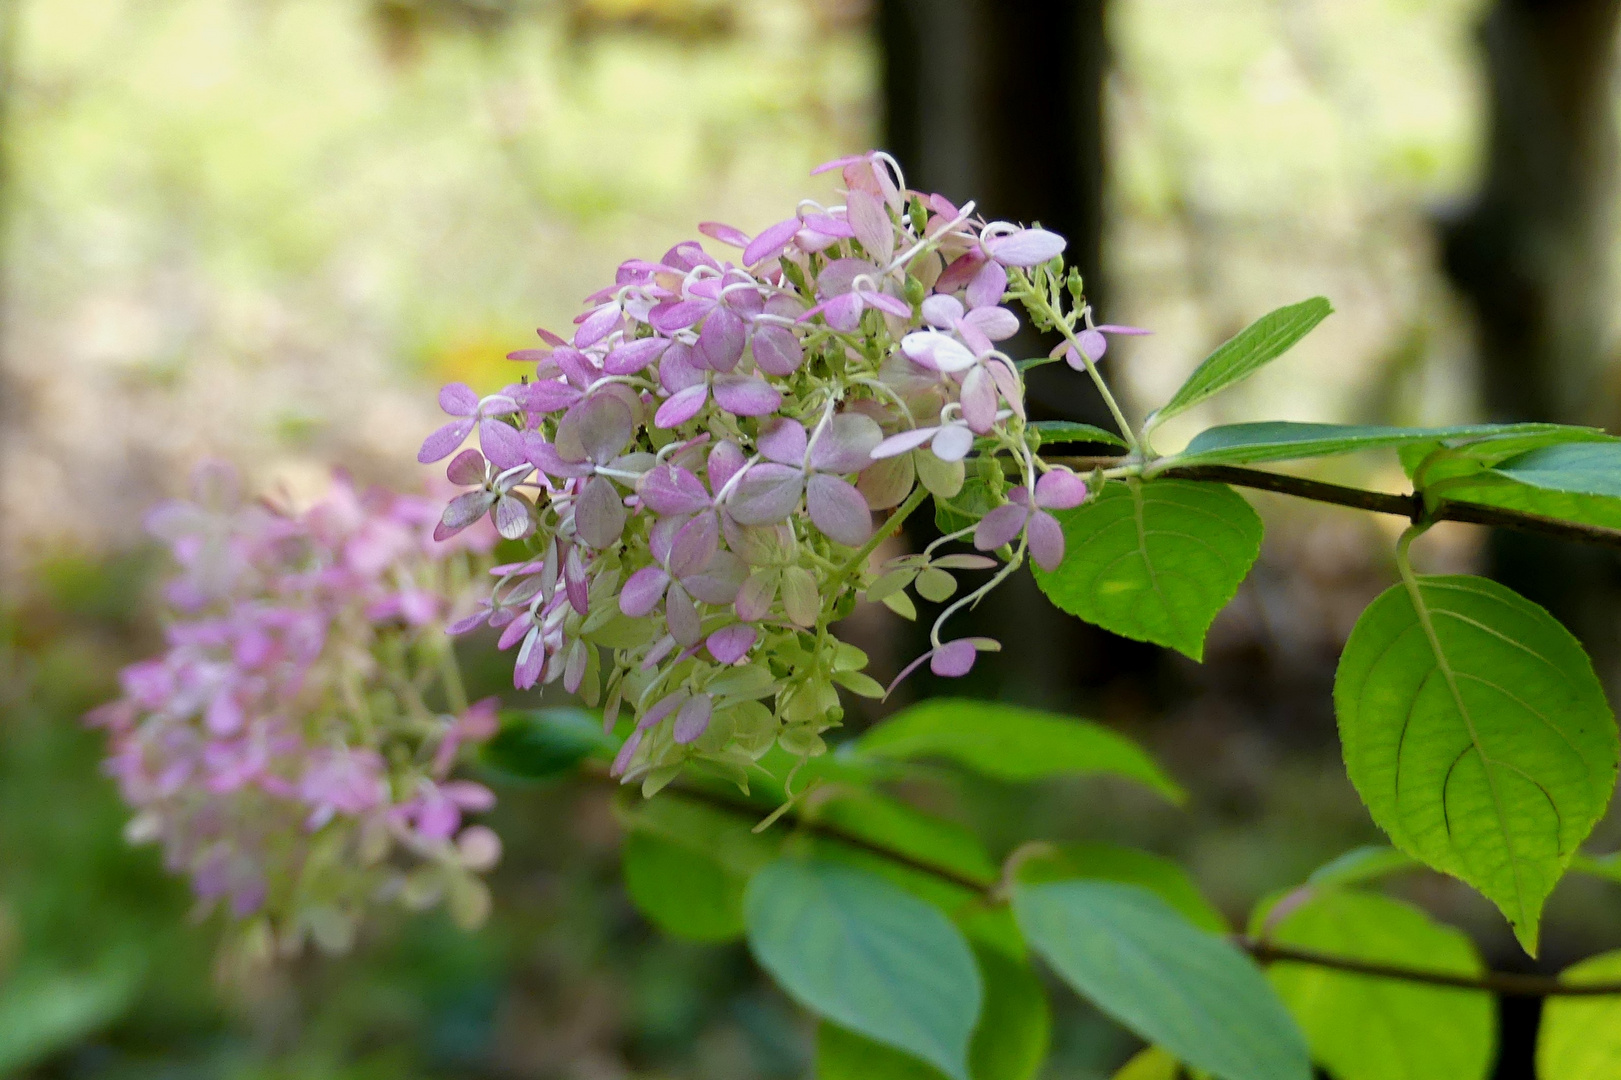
915, 292
919, 215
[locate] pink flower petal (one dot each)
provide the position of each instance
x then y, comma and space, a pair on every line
770, 242
673, 315
726, 234
633, 357
979, 400
777, 350
1060, 489
724, 461
693, 719
1046, 540
502, 444
1000, 526
597, 325
960, 272
678, 370
1129, 331
767, 494
846, 444
720, 342
670, 489
732, 643
953, 659
719, 581
942, 311
512, 518
681, 615
988, 286
742, 395
694, 545
458, 399
466, 467
995, 322
953, 442
681, 407
1026, 247
754, 599
872, 226
642, 591
1093, 344
901, 443
838, 509
627, 752
889, 305
443, 442
941, 352
599, 513
783, 440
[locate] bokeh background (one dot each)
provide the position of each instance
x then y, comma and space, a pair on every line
266, 230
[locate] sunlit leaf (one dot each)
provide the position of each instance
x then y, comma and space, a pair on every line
1361, 864
1010, 1042
1059, 432
1581, 1036
1110, 862
1011, 743
1253, 347
1422, 1031
1150, 1063
1245, 444
1136, 959
1478, 736
1155, 560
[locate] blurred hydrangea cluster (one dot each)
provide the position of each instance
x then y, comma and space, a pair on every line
697, 467
292, 749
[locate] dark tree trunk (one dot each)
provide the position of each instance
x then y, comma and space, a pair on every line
1531, 254
1002, 102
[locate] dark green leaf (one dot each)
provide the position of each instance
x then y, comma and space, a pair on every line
43, 1011
1195, 994
1155, 560
1491, 488
1011, 743
871, 958
1010, 1042
1110, 862
1258, 344
1059, 432
1423, 1031
895, 826
1244, 444
1581, 1036
1478, 736
1361, 864
539, 744
685, 893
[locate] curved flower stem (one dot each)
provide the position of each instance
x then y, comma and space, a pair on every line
980, 593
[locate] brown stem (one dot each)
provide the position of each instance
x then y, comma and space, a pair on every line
1507, 984
1409, 506
1504, 983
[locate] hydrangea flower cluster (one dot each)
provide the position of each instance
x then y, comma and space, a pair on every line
292, 750
697, 468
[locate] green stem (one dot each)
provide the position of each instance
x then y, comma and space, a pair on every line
1028, 295
450, 674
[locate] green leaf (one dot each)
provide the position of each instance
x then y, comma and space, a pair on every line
1422, 1031
1450, 457
1010, 1042
862, 953
683, 892
1155, 560
1150, 1063
1607, 867
1245, 444
1478, 736
1058, 432
1586, 468
1195, 994
539, 744
1010, 743
1129, 866
1365, 863
44, 1011
1491, 488
1258, 344
1581, 1036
